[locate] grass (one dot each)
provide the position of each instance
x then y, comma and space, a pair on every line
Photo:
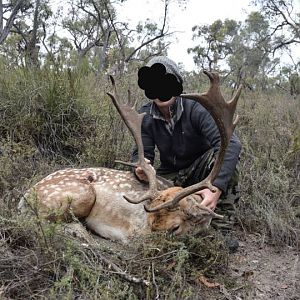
50, 119
270, 166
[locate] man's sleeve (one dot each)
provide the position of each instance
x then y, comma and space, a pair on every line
208, 128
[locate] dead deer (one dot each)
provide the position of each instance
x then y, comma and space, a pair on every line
110, 201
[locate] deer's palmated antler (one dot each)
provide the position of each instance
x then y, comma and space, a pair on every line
133, 121
223, 113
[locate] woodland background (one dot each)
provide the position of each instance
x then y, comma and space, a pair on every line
54, 113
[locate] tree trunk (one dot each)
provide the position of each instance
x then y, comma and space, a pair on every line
10, 21
103, 52
32, 49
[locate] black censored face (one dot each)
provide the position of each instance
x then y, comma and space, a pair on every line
157, 83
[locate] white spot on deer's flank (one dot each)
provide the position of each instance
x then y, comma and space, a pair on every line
45, 192
82, 189
55, 193
67, 194
124, 185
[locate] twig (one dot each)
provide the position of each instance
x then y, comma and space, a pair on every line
117, 270
123, 274
154, 282
156, 257
238, 288
38, 220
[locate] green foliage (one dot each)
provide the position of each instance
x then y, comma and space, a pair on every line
242, 51
217, 39
51, 119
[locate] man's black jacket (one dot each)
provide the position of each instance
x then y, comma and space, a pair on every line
194, 133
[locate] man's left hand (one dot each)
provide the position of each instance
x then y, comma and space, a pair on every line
210, 199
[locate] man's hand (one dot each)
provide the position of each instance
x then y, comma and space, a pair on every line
140, 173
210, 199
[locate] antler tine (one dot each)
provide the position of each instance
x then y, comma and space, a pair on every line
133, 121
223, 113
206, 210
130, 101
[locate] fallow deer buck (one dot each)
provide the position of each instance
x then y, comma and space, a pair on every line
110, 201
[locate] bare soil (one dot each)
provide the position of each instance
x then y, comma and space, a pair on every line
261, 272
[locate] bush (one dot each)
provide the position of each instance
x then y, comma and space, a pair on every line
62, 114
268, 166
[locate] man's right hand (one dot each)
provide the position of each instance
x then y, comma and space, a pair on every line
140, 173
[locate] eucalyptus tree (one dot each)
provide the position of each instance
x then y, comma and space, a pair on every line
214, 43
27, 30
251, 62
9, 11
241, 50
88, 25
284, 19
107, 42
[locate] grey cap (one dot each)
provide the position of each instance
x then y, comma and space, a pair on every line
171, 66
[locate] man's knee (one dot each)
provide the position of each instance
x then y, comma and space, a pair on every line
227, 208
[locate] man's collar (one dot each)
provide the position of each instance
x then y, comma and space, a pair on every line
176, 110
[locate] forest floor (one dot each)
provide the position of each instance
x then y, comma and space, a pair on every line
259, 271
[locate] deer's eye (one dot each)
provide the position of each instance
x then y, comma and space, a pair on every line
175, 228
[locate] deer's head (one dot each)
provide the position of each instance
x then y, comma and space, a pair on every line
177, 209
180, 219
